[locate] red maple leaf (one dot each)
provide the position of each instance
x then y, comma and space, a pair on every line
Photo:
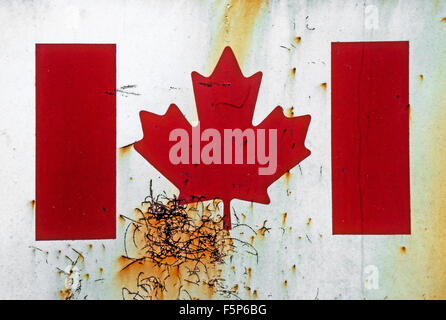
225, 100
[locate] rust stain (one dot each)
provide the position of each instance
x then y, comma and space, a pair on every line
236, 27
81, 258
87, 276
33, 204
403, 249
249, 273
287, 178
173, 255
425, 261
293, 268
65, 294
289, 112
284, 219
297, 40
285, 283
443, 20
309, 222
101, 271
254, 294
248, 291
324, 86
261, 232
125, 150
293, 73
90, 246
421, 77
410, 112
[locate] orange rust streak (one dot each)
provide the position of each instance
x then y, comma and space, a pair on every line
125, 150
284, 219
236, 27
309, 222
166, 273
289, 112
424, 262
65, 294
261, 232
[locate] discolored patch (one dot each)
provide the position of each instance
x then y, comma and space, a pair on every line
65, 294
309, 222
173, 251
284, 219
261, 232
235, 27
289, 112
125, 150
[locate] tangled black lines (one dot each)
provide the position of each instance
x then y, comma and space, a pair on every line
178, 246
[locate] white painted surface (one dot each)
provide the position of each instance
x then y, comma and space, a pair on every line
159, 43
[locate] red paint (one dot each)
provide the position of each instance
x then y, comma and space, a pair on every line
225, 100
370, 138
75, 141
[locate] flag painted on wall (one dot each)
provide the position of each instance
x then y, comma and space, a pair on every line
76, 139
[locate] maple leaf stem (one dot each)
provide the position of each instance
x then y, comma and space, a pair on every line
227, 214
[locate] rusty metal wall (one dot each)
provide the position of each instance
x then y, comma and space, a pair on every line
159, 43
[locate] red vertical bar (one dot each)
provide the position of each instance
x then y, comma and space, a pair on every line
370, 138
75, 141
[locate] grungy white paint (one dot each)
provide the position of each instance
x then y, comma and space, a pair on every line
159, 44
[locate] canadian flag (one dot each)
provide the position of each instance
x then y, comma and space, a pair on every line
353, 91
76, 139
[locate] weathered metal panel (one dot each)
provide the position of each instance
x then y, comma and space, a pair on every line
292, 254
